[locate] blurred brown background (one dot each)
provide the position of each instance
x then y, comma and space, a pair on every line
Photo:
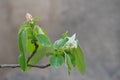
96, 22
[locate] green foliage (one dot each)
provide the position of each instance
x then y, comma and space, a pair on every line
56, 60
68, 62
60, 43
43, 39
30, 46
23, 48
80, 62
29, 34
33, 40
40, 53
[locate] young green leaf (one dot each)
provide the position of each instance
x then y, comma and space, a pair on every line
30, 33
72, 57
68, 62
80, 61
60, 43
31, 38
43, 39
30, 46
41, 36
22, 36
64, 35
38, 30
56, 60
22, 27
35, 20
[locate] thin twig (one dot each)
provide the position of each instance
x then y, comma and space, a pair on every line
37, 66
33, 53
18, 66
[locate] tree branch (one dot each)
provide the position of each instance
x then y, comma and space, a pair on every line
29, 58
18, 66
33, 53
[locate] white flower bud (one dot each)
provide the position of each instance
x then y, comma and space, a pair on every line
29, 17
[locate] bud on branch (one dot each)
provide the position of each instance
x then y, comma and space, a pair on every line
29, 17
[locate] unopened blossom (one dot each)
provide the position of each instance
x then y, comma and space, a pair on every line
29, 17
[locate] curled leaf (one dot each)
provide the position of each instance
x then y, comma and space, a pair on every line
22, 37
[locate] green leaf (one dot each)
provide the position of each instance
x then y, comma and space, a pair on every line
60, 43
22, 37
80, 61
22, 27
30, 33
68, 62
38, 56
43, 39
30, 46
72, 57
56, 60
41, 36
38, 30
64, 35
41, 52
31, 38
35, 20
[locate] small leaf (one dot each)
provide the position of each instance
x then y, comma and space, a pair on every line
64, 35
43, 39
22, 27
68, 62
80, 61
60, 43
35, 20
30, 33
72, 57
56, 60
23, 48
38, 30
41, 36
30, 46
